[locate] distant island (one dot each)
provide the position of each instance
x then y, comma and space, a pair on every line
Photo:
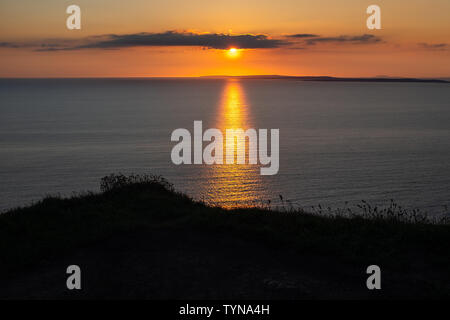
328, 78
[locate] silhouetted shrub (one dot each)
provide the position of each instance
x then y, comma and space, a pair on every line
120, 181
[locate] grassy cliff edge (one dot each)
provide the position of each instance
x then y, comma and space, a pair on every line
139, 238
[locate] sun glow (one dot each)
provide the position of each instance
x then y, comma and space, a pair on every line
233, 53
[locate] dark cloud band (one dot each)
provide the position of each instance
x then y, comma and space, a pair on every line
177, 39
189, 39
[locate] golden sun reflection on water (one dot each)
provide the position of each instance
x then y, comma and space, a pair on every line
234, 185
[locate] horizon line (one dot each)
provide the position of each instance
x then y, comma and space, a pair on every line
254, 76
228, 76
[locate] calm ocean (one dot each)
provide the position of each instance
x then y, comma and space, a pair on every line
339, 141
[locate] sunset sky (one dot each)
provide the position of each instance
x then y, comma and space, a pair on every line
140, 38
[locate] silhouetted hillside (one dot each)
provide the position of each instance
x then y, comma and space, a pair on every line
139, 238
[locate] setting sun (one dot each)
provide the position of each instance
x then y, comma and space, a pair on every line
233, 53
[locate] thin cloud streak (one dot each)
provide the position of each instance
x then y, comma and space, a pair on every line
433, 46
303, 35
360, 39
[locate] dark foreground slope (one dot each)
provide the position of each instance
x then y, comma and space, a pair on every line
143, 240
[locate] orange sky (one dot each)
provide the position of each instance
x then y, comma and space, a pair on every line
414, 40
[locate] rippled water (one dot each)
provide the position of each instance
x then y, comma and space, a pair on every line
338, 141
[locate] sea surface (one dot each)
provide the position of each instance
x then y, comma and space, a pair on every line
339, 141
